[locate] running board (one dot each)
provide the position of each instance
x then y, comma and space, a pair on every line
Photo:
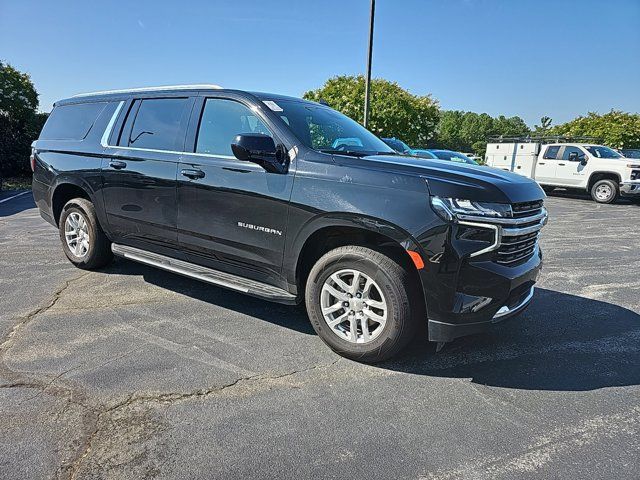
215, 277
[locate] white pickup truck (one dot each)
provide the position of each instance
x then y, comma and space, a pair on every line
599, 170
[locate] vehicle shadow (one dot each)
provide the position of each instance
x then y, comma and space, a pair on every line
22, 200
580, 195
561, 342
291, 317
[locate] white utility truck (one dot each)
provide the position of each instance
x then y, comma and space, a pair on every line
563, 162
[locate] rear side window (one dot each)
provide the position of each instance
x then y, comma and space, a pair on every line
156, 123
71, 122
551, 153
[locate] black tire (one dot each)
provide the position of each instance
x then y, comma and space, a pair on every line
605, 185
99, 252
398, 287
548, 189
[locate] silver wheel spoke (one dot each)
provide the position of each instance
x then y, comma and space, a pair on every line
375, 303
337, 294
340, 283
355, 284
338, 320
333, 308
364, 324
353, 328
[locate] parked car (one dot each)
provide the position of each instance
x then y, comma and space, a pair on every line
419, 152
199, 181
473, 157
630, 152
399, 146
453, 156
597, 169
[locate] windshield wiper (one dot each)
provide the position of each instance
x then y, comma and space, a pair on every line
351, 153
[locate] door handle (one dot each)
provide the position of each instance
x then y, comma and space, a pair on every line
192, 173
561, 164
541, 163
117, 164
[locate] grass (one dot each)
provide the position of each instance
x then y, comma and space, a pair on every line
22, 182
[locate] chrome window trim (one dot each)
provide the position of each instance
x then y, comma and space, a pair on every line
104, 141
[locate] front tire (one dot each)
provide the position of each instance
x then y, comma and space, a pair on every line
362, 303
605, 191
83, 240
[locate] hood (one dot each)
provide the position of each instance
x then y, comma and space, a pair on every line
457, 180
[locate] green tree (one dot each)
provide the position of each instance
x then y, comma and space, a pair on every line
544, 127
19, 123
394, 112
616, 129
469, 131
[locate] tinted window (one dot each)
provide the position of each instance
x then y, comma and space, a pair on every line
221, 121
569, 150
551, 153
324, 129
158, 124
71, 122
603, 152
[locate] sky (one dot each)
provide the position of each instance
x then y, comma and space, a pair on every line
530, 58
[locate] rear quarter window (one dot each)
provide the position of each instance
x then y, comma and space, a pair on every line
71, 122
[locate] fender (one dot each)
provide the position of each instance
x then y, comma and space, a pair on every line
602, 173
295, 243
79, 181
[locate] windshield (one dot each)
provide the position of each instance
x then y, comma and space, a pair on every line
398, 145
454, 157
323, 129
631, 153
599, 151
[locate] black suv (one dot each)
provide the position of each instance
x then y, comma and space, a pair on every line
290, 201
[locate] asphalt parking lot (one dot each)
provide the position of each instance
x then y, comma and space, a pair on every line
131, 372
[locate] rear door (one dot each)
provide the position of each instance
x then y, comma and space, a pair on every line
570, 171
547, 164
139, 171
232, 214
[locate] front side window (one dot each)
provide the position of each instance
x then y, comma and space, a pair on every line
599, 151
569, 150
221, 121
158, 124
551, 153
326, 130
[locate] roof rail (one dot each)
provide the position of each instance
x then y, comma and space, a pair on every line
150, 89
543, 139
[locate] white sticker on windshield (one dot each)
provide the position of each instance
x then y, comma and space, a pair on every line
272, 105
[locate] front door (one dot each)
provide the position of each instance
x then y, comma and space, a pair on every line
232, 214
139, 172
570, 171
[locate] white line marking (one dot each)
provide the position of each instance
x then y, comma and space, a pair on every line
15, 196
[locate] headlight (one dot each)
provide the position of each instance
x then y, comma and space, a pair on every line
450, 208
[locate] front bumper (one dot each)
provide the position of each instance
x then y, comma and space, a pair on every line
631, 188
482, 274
446, 332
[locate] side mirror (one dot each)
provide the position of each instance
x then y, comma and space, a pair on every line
258, 148
573, 156
250, 147
584, 160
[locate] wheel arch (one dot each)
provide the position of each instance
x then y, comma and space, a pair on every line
65, 190
326, 232
597, 176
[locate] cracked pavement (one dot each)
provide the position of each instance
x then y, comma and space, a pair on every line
131, 372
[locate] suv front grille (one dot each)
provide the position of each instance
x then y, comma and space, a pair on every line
517, 236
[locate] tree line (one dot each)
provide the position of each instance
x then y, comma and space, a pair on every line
395, 112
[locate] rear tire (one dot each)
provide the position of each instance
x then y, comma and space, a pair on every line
605, 191
548, 189
385, 290
83, 240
